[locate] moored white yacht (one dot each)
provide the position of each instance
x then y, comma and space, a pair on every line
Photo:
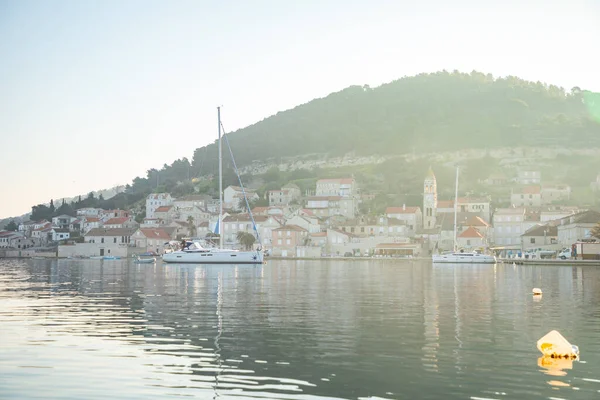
195, 253
462, 257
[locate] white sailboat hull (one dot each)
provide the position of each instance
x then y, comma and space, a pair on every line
464, 258
214, 257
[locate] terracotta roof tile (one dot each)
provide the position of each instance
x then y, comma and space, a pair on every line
290, 228
530, 190
155, 233
110, 232
116, 221
471, 232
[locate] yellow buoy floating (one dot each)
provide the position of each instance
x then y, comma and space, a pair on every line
554, 345
537, 291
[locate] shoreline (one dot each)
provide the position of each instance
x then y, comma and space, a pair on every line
540, 262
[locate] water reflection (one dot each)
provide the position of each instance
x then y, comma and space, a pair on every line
96, 329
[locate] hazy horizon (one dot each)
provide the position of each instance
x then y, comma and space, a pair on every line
93, 94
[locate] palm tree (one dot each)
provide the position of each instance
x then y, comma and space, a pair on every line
191, 225
246, 239
596, 231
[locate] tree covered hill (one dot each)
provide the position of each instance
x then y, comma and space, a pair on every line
428, 112
441, 112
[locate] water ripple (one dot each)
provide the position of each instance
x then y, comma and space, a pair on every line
293, 330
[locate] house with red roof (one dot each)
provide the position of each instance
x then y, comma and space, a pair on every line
271, 210
89, 223
105, 215
478, 223
527, 196
329, 206
166, 213
156, 200
43, 232
334, 196
344, 187
151, 239
284, 196
311, 224
121, 222
287, 238
471, 239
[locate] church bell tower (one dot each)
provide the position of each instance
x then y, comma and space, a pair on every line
429, 200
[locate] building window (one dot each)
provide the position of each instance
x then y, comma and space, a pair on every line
114, 240
102, 240
287, 241
468, 242
532, 240
278, 241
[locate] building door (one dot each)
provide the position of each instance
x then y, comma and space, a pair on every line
101, 252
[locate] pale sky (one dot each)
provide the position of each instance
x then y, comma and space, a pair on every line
94, 93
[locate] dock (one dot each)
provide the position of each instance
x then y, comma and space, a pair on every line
548, 261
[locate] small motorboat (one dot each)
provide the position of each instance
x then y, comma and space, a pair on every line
145, 258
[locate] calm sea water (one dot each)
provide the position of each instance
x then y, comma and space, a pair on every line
293, 330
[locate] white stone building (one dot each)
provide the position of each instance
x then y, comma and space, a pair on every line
234, 195
343, 187
156, 200
284, 196
411, 216
329, 206
577, 227
508, 226
529, 177
555, 193
528, 196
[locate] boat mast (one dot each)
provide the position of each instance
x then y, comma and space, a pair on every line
455, 209
220, 183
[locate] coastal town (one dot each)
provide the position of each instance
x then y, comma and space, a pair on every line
324, 222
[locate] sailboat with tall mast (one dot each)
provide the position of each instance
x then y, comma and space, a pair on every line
196, 253
461, 257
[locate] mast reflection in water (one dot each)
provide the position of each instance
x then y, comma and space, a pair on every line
295, 330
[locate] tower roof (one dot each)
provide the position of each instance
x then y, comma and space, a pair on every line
430, 174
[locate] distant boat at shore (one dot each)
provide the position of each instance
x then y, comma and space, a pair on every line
105, 258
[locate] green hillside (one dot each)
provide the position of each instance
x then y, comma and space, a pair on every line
428, 112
